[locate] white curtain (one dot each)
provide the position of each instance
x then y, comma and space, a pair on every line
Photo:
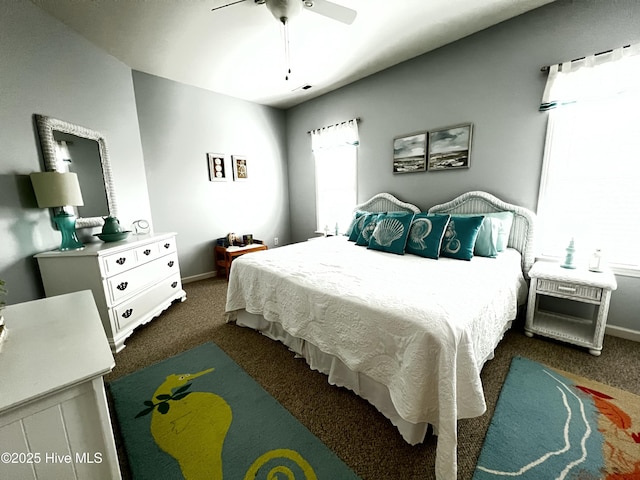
591, 171
335, 154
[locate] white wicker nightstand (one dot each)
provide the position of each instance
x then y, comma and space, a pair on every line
579, 285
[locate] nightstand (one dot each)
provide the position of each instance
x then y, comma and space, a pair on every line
558, 317
225, 255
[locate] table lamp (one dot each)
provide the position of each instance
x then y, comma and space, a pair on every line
58, 190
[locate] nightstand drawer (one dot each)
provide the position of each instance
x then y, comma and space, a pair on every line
569, 290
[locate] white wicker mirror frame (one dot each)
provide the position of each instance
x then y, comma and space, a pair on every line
46, 126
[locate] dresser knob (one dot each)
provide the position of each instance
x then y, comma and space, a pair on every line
174, 284
147, 251
122, 286
127, 313
170, 263
121, 261
167, 245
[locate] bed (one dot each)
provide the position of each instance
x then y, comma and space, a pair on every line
393, 328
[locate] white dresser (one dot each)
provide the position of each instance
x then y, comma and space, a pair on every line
132, 281
54, 418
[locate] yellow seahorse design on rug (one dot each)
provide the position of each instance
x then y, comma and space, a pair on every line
192, 427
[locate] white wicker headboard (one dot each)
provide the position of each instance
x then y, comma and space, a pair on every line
522, 230
385, 202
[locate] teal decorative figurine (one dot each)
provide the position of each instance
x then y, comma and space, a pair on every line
568, 261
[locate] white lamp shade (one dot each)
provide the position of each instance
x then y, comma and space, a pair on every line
56, 189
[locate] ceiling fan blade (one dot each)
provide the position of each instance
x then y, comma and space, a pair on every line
332, 10
227, 5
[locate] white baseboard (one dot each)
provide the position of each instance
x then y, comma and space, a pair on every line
623, 333
200, 276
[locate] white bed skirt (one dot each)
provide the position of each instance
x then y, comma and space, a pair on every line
338, 374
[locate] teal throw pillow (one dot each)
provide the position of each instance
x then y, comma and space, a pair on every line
356, 226
426, 234
354, 221
487, 241
494, 233
506, 221
391, 232
368, 226
460, 236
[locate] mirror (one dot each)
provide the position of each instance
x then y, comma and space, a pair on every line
69, 147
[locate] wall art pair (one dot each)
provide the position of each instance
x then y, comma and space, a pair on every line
219, 171
435, 150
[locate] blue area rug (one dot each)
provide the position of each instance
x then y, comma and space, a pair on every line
549, 424
198, 415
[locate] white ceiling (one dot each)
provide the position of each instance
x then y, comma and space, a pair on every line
239, 50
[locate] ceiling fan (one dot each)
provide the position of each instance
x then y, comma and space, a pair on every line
288, 9
284, 10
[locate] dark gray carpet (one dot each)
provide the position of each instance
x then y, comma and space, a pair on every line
348, 425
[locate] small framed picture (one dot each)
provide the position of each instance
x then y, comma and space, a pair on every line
239, 167
409, 153
217, 167
449, 148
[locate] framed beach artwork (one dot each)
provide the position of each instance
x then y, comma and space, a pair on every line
409, 153
217, 167
449, 148
239, 167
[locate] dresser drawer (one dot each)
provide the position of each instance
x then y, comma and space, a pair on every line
146, 253
167, 246
119, 262
131, 281
131, 311
569, 290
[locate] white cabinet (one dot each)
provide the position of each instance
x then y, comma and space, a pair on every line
573, 287
132, 281
54, 418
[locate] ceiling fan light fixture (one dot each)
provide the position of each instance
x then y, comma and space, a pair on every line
284, 8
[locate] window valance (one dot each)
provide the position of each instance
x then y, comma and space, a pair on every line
345, 133
594, 77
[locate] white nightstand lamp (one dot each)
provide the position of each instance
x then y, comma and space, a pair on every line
58, 190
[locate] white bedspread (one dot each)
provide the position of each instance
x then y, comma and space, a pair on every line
422, 327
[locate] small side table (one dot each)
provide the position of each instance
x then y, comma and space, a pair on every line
579, 285
225, 255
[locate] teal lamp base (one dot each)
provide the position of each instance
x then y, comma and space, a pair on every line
66, 223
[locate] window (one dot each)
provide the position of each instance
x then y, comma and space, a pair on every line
335, 151
590, 182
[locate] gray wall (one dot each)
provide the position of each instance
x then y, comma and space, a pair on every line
491, 79
46, 68
179, 124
